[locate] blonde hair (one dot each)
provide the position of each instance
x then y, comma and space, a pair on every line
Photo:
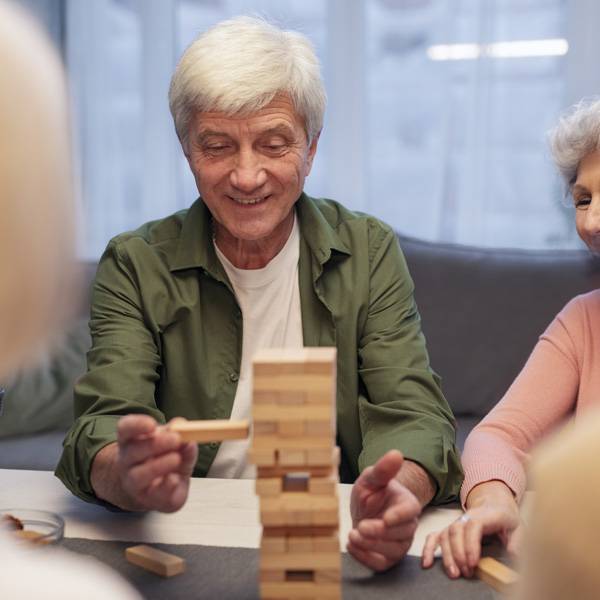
239, 65
36, 190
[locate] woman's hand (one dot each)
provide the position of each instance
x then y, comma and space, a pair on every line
491, 509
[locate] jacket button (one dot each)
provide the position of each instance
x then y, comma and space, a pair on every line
213, 445
233, 377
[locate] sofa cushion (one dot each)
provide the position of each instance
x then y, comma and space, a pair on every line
483, 310
40, 398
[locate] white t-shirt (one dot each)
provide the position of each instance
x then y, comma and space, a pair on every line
269, 299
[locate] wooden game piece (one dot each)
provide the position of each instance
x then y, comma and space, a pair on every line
298, 544
292, 590
326, 486
326, 543
273, 543
296, 413
318, 456
301, 561
157, 561
264, 458
496, 574
271, 486
320, 384
291, 458
214, 430
291, 428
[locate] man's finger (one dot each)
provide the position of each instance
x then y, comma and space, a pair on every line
392, 550
139, 477
138, 450
132, 426
405, 509
384, 470
373, 560
376, 528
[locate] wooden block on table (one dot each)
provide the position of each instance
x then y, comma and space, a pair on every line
496, 574
325, 486
299, 544
291, 458
320, 428
319, 456
157, 561
301, 561
271, 486
260, 428
273, 544
326, 543
291, 428
328, 576
306, 384
296, 590
214, 430
262, 458
295, 413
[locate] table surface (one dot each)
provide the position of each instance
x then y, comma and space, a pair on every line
219, 526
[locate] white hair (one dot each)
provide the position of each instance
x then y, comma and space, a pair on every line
238, 66
576, 135
37, 244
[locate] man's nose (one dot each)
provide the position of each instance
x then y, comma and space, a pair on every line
248, 173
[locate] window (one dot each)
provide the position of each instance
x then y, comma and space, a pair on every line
436, 120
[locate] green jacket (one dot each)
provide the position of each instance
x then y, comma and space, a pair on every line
167, 341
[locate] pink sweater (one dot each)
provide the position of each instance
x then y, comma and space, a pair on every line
560, 378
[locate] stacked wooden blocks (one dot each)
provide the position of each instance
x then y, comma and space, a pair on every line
293, 447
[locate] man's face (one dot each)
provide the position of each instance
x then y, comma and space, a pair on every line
250, 170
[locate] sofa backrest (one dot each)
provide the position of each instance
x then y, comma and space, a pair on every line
483, 310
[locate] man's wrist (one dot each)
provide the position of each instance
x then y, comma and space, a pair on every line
415, 478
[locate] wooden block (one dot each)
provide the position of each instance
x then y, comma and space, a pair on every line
496, 574
296, 590
291, 458
271, 575
309, 530
295, 383
311, 360
325, 486
319, 456
326, 543
301, 561
319, 428
271, 486
264, 428
262, 458
275, 412
214, 430
328, 576
290, 428
299, 544
157, 561
273, 544
300, 443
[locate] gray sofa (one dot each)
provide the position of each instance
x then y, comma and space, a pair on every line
482, 311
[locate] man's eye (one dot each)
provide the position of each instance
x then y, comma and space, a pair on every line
274, 148
582, 203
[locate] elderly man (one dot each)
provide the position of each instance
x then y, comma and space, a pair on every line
181, 305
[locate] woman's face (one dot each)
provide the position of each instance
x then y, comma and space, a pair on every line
586, 198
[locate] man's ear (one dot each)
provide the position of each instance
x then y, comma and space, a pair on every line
312, 149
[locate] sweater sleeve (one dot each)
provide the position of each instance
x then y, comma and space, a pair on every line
542, 395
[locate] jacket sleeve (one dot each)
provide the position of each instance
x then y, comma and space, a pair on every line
402, 406
122, 370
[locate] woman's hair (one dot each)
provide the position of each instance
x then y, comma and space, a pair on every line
576, 135
238, 66
36, 190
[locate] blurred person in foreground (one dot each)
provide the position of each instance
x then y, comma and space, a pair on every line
561, 377
560, 554
37, 268
181, 305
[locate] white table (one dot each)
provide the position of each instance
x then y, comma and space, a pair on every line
219, 512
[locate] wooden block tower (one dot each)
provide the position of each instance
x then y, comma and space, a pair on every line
293, 447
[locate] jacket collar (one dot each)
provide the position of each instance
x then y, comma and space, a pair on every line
195, 248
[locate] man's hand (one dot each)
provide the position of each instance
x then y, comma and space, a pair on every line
384, 514
149, 468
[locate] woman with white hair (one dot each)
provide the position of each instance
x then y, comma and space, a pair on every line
560, 379
181, 306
